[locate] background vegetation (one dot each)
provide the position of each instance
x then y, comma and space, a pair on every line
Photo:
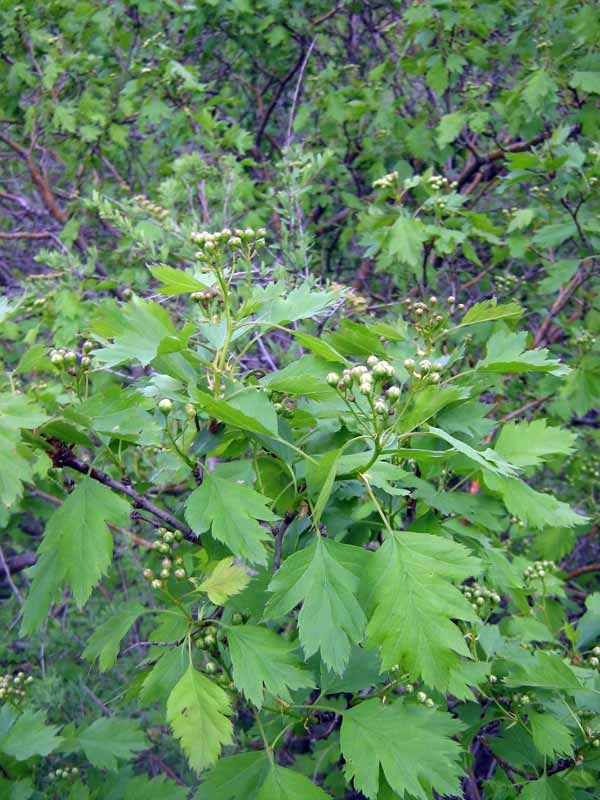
407, 190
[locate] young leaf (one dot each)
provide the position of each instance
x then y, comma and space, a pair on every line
235, 778
26, 735
324, 578
413, 604
507, 352
528, 444
263, 660
231, 511
224, 581
108, 739
411, 744
487, 458
551, 737
547, 788
77, 548
175, 281
489, 310
253, 775
300, 303
199, 711
137, 333
105, 640
224, 412
534, 508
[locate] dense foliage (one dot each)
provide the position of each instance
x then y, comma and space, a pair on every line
298, 437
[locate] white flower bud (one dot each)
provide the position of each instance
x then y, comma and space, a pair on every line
333, 378
165, 406
393, 393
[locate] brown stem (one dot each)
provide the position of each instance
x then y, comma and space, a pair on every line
64, 457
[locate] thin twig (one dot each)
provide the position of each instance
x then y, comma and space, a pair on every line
9, 579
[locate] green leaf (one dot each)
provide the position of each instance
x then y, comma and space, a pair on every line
27, 735
105, 640
544, 671
587, 81
285, 784
324, 578
137, 333
588, 627
264, 661
199, 711
521, 219
406, 239
160, 788
528, 444
225, 580
534, 508
322, 475
18, 411
77, 548
231, 511
539, 89
176, 281
450, 127
109, 739
550, 736
413, 604
428, 402
224, 412
235, 778
307, 377
489, 310
412, 745
253, 775
488, 458
547, 788
300, 303
507, 352
14, 470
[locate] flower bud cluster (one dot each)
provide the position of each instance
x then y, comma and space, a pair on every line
70, 360
506, 283
62, 773
285, 408
424, 370
207, 641
439, 182
370, 380
585, 340
482, 599
210, 243
205, 298
166, 544
540, 191
428, 316
387, 181
153, 208
522, 699
594, 659
13, 688
539, 570
422, 697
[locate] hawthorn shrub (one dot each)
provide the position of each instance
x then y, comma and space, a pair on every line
298, 400
311, 554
